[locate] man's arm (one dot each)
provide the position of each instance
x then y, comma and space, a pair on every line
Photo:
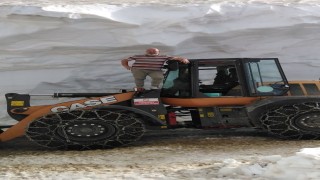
180, 59
125, 63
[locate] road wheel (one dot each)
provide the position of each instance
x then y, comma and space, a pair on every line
297, 121
86, 129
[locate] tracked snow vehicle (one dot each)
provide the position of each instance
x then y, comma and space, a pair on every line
213, 93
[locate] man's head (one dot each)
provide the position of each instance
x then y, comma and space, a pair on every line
152, 52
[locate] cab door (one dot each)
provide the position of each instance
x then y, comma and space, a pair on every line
265, 77
218, 78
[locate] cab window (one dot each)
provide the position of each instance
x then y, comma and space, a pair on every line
219, 80
264, 78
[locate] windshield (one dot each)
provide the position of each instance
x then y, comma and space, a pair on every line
264, 78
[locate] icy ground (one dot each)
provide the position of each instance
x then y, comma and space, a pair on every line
204, 156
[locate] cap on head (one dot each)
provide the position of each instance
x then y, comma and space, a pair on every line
152, 51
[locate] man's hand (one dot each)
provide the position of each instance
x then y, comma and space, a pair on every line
180, 59
184, 61
128, 67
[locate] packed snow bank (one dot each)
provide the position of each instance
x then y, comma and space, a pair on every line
81, 43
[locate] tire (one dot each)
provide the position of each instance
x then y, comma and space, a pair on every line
86, 129
297, 121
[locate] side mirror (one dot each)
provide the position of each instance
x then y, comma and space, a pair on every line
173, 65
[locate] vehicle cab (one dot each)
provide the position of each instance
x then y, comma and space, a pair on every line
214, 78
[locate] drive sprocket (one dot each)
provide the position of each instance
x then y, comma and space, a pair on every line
86, 129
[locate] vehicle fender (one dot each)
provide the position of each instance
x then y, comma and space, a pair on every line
146, 117
256, 109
